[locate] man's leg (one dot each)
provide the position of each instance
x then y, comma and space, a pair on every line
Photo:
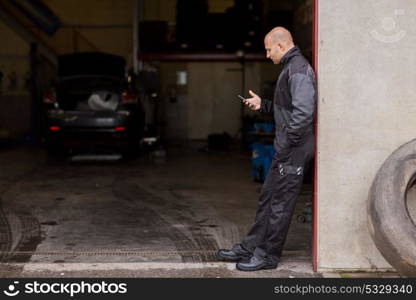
287, 183
258, 230
282, 207
257, 233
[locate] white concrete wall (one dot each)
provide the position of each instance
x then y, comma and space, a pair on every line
213, 106
208, 103
367, 109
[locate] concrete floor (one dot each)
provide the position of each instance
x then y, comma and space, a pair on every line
134, 219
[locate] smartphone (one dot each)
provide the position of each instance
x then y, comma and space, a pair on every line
241, 97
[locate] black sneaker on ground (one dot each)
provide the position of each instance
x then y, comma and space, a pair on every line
237, 253
255, 264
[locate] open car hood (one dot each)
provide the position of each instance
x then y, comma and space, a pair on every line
91, 64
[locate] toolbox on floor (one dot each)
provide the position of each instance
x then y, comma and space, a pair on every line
262, 156
264, 127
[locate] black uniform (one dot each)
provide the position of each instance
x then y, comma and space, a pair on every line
294, 110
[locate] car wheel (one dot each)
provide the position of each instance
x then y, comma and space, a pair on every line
55, 151
390, 223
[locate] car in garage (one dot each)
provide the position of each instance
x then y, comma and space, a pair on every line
93, 107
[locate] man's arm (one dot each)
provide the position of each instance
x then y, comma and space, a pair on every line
303, 92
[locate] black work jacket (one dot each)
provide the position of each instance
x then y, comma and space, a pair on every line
294, 101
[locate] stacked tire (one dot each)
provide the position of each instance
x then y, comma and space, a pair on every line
390, 224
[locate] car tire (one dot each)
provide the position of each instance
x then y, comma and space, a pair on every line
55, 151
132, 150
389, 221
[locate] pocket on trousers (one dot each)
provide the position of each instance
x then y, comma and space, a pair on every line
298, 157
283, 155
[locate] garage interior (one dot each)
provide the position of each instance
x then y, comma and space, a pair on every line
188, 194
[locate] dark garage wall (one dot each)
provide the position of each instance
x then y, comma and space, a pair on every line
14, 94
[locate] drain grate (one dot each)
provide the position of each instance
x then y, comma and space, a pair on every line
137, 252
129, 252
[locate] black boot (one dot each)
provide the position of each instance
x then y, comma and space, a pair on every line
237, 253
255, 264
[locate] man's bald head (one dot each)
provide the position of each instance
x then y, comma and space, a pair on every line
280, 35
277, 43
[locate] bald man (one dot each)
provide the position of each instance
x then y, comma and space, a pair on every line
293, 108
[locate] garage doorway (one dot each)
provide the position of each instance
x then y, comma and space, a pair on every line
177, 202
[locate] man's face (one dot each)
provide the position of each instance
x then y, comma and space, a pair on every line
273, 50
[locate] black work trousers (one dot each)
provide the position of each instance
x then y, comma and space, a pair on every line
277, 202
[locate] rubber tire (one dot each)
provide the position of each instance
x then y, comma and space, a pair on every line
55, 151
389, 222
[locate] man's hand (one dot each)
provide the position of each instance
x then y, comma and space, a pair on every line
253, 103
